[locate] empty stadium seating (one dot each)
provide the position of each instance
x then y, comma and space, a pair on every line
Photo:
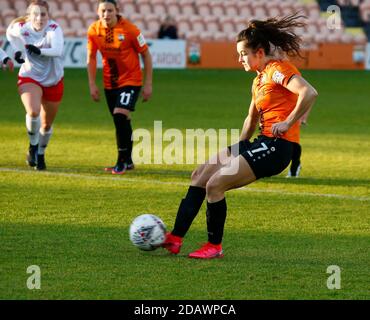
215, 20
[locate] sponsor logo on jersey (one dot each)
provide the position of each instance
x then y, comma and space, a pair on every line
278, 77
141, 40
121, 37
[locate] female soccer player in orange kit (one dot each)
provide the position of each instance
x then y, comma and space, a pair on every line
120, 43
280, 97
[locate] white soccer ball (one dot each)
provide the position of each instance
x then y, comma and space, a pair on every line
147, 232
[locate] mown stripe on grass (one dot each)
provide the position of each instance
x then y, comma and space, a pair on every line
177, 183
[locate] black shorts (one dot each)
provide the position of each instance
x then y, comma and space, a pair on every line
124, 97
266, 156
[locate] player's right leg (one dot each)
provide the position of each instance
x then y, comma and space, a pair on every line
31, 95
190, 205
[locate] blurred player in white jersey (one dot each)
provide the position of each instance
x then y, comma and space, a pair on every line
5, 61
38, 44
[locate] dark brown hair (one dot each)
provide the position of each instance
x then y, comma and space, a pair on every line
114, 2
279, 32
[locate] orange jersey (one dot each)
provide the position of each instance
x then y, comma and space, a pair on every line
273, 101
120, 47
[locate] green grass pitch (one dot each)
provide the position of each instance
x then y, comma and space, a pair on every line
280, 236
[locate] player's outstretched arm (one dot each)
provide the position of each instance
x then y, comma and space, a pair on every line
148, 75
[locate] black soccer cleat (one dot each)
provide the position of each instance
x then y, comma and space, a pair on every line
120, 168
130, 165
32, 155
41, 165
294, 170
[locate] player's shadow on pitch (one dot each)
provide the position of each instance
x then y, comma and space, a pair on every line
319, 181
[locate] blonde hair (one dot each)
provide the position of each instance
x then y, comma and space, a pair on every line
20, 19
41, 3
25, 18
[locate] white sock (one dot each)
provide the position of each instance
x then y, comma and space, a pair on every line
44, 139
33, 128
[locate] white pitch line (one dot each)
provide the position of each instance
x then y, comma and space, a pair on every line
177, 183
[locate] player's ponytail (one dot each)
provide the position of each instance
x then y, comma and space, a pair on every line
22, 19
273, 35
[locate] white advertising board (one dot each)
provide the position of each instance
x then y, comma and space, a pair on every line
166, 54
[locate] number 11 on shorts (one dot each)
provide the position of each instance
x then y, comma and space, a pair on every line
125, 98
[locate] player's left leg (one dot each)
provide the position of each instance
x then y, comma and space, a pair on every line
48, 113
122, 122
295, 166
237, 174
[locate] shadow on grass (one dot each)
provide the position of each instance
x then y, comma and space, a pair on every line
168, 174
320, 181
138, 172
95, 262
177, 172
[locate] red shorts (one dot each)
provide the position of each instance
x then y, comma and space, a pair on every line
53, 93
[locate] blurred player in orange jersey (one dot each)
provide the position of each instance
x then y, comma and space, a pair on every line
280, 97
120, 42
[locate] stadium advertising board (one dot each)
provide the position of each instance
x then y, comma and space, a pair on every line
367, 61
167, 54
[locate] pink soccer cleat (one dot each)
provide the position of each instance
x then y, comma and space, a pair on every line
172, 243
208, 251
